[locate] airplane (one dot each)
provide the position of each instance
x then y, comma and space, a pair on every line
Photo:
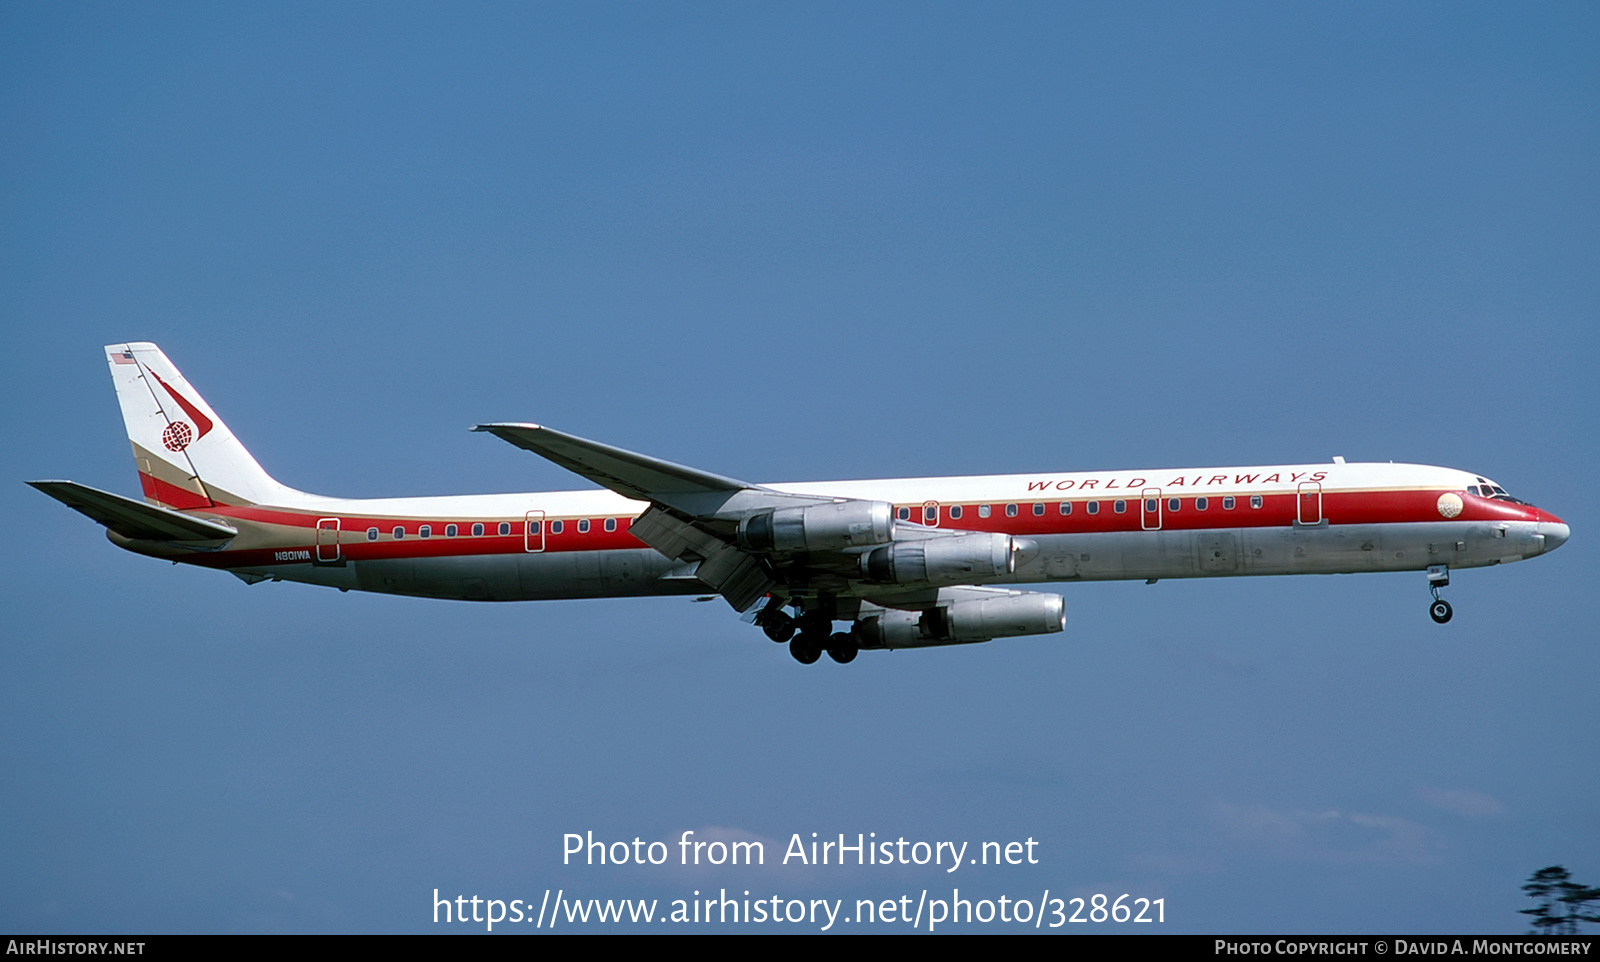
908, 563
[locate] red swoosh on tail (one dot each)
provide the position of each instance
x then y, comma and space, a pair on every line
200, 420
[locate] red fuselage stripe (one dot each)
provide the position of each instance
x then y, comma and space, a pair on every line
1277, 510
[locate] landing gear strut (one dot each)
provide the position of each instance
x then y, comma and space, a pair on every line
1438, 577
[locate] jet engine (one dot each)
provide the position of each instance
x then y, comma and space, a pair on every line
962, 559
818, 527
1007, 614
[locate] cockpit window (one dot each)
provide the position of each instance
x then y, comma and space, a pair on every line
1488, 489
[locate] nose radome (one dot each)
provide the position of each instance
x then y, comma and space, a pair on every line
1555, 534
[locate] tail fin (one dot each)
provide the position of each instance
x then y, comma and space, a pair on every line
187, 458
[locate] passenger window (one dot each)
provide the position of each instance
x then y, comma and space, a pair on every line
399, 532
426, 531
1200, 504
955, 512
477, 529
611, 524
1011, 511
930, 515
1255, 501
1174, 504
555, 527
1065, 507
1227, 503
535, 526
1038, 511
372, 534
1094, 507
583, 526
1149, 504
1119, 506
505, 527
983, 511
450, 530
904, 514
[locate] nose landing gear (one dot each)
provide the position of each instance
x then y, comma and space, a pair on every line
1439, 577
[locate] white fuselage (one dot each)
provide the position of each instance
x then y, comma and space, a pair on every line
1167, 523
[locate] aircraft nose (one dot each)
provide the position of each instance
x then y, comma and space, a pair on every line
1555, 534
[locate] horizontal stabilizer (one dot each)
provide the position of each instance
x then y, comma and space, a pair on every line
631, 475
134, 519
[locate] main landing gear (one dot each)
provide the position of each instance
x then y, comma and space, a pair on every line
841, 646
776, 624
808, 635
1438, 577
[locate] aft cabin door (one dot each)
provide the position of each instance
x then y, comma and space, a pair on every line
1310, 503
327, 540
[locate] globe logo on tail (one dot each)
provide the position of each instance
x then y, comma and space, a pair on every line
177, 436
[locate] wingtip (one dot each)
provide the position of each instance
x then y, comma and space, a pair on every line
503, 424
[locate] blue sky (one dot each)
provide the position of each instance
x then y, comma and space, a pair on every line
791, 243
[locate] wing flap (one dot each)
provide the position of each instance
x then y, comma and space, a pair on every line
135, 519
738, 577
672, 537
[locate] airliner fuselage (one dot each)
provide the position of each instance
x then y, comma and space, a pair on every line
1196, 522
909, 562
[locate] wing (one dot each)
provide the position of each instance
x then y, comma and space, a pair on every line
748, 540
636, 476
694, 515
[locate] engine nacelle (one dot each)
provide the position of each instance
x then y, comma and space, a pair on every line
1008, 615
963, 559
819, 527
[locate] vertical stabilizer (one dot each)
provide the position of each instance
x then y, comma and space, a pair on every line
187, 458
